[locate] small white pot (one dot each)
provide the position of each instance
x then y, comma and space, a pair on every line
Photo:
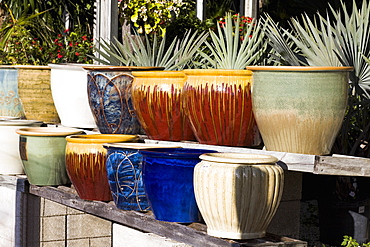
11, 162
69, 91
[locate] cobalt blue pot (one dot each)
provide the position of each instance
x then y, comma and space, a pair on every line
109, 94
168, 182
124, 170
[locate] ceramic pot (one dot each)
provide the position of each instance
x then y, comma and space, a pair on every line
299, 109
218, 104
157, 100
69, 91
42, 150
85, 163
238, 194
11, 162
35, 93
109, 93
168, 182
124, 170
10, 104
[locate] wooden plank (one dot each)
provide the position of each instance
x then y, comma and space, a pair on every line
289, 161
193, 234
342, 166
15, 182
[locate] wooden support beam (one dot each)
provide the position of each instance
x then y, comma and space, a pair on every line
193, 234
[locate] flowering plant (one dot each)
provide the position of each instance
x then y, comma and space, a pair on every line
71, 47
150, 15
68, 47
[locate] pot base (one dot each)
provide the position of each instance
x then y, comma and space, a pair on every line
236, 235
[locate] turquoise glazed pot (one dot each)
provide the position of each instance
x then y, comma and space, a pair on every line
109, 94
124, 170
42, 150
299, 109
168, 182
10, 105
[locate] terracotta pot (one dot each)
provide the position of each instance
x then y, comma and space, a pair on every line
238, 194
218, 104
168, 182
299, 109
11, 162
42, 150
85, 163
109, 93
69, 91
157, 99
10, 104
35, 93
124, 170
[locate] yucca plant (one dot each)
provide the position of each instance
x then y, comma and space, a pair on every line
341, 41
152, 51
309, 43
228, 48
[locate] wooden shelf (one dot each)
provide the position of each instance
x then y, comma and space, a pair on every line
193, 234
320, 165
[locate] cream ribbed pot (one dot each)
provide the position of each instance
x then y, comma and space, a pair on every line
238, 194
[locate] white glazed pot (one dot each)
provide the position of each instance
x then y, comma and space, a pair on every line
11, 162
238, 194
69, 90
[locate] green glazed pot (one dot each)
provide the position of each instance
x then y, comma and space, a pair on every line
299, 109
42, 150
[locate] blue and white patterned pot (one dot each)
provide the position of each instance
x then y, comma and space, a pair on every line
124, 170
109, 93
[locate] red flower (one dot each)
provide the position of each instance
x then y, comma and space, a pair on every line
77, 54
60, 56
84, 38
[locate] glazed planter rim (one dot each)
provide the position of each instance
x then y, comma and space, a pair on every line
239, 158
119, 68
224, 72
71, 66
159, 74
299, 68
18, 122
138, 146
101, 138
48, 131
31, 67
176, 152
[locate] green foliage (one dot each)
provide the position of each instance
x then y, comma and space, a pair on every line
33, 32
149, 16
348, 241
151, 51
232, 48
81, 13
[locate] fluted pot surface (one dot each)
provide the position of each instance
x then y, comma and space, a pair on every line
238, 194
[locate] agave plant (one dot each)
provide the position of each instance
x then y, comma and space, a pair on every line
138, 51
229, 49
